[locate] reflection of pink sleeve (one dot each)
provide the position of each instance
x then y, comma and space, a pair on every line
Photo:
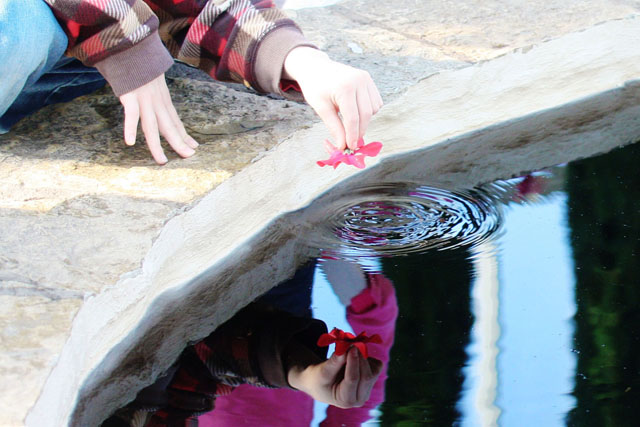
374, 310
253, 406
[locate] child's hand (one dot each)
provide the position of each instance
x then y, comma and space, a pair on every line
331, 88
336, 384
151, 104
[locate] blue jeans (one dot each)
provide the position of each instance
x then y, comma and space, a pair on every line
33, 69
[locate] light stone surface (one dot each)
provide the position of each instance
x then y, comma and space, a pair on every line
99, 244
30, 333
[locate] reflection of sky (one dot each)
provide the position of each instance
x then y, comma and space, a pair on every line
535, 366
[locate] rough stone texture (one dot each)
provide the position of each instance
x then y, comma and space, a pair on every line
29, 335
86, 230
405, 41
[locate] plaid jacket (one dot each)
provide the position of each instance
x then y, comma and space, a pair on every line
248, 349
245, 41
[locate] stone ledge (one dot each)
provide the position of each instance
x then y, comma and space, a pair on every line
579, 91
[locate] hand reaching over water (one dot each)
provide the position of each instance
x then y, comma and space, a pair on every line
344, 381
330, 88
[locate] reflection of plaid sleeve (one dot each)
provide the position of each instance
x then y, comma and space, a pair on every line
224, 38
249, 349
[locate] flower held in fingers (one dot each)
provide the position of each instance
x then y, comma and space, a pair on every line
344, 341
349, 157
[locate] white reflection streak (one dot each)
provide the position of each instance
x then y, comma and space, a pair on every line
478, 402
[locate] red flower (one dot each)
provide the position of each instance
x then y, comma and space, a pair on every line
344, 341
531, 185
348, 157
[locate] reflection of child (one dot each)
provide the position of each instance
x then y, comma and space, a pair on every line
371, 307
375, 311
260, 346
132, 43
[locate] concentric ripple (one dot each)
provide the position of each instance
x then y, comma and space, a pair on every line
397, 219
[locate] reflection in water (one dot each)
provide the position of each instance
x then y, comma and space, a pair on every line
604, 219
370, 305
399, 219
425, 372
477, 404
273, 342
538, 324
536, 306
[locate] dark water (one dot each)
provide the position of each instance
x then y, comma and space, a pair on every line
518, 303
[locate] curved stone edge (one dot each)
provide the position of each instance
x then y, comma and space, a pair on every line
122, 338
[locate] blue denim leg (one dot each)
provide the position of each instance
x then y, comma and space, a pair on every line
33, 70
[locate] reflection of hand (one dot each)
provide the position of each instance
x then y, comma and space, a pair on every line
344, 381
330, 88
347, 278
151, 104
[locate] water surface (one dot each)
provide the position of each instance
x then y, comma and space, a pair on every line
516, 303
524, 309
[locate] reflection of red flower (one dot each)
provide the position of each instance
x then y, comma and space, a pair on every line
348, 157
531, 185
344, 341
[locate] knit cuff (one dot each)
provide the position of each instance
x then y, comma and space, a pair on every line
136, 66
269, 62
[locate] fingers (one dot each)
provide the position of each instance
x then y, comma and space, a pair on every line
365, 109
329, 115
177, 122
349, 386
376, 99
131, 117
151, 105
375, 365
369, 371
359, 378
333, 366
357, 108
172, 134
351, 118
344, 97
150, 130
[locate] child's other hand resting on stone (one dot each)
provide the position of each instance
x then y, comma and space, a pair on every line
151, 105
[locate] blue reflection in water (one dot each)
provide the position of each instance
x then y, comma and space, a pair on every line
536, 365
522, 338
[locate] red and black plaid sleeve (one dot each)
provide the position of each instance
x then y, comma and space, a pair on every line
248, 349
97, 29
223, 38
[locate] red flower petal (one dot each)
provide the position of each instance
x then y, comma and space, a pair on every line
342, 347
355, 158
344, 341
362, 347
325, 340
372, 149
